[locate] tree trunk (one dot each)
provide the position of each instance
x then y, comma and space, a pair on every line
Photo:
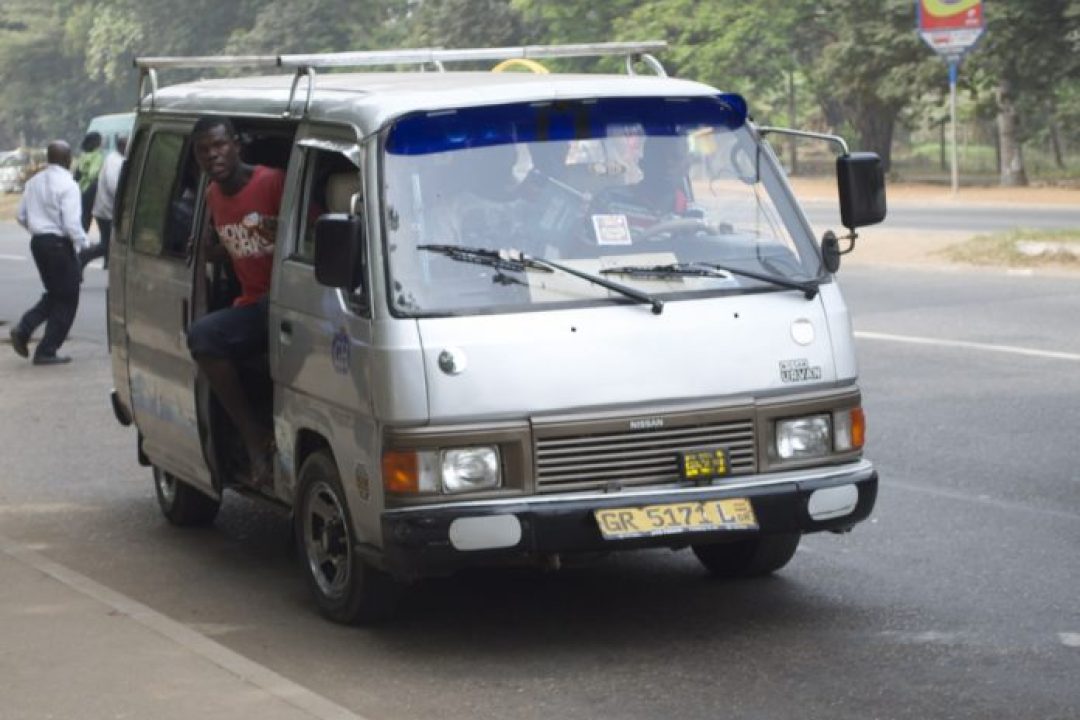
876, 125
1012, 156
1055, 135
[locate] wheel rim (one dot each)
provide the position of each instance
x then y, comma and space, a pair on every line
166, 485
326, 540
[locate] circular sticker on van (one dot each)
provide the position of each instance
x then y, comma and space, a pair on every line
341, 351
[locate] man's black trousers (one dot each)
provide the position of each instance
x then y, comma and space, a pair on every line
55, 258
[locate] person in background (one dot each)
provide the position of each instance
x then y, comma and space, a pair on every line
50, 209
244, 202
86, 171
107, 181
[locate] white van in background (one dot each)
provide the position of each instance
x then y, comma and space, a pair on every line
111, 127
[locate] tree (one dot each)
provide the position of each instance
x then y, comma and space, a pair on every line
466, 23
307, 26
1027, 55
872, 65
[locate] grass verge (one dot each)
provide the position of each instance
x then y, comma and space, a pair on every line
9, 203
1019, 248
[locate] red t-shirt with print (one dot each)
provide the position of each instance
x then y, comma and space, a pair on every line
238, 220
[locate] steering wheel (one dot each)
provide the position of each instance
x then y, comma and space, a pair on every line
679, 225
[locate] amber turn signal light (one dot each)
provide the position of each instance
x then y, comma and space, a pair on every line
401, 472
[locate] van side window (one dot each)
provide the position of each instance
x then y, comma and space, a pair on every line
129, 185
330, 180
156, 186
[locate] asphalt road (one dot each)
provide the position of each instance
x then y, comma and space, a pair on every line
958, 599
976, 218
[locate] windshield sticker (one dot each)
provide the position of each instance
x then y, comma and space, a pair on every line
799, 370
612, 230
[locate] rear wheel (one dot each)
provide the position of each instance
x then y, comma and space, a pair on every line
752, 557
347, 589
182, 504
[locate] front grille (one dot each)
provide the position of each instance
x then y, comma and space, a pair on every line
626, 459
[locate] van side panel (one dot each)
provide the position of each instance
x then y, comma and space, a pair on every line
841, 333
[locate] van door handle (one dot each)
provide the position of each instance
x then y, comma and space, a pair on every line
184, 315
286, 332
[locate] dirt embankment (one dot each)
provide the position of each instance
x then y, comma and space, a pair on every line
882, 245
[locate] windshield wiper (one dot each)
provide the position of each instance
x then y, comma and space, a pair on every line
501, 259
701, 269
517, 261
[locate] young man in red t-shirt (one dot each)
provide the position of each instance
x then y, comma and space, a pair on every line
244, 201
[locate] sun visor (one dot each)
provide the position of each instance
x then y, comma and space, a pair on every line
423, 133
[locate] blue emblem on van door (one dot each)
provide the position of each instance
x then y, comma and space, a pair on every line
340, 351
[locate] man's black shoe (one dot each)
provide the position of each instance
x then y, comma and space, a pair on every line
19, 343
51, 359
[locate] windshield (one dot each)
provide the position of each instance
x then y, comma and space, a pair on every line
609, 188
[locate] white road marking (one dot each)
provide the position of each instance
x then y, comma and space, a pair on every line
1070, 639
12, 257
261, 676
1012, 349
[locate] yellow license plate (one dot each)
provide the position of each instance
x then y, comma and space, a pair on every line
671, 518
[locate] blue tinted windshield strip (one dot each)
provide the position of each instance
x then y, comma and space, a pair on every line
424, 133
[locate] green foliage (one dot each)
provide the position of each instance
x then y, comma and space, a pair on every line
467, 23
856, 66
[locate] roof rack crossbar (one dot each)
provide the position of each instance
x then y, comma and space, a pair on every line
433, 56
304, 65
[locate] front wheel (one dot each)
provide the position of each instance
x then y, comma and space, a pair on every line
752, 557
347, 589
181, 504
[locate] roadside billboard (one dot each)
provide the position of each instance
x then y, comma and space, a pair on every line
950, 27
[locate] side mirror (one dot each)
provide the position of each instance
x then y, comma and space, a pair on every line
861, 182
830, 251
339, 250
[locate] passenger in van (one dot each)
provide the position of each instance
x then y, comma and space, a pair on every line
664, 185
244, 202
474, 204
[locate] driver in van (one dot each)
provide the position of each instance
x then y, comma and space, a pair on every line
663, 192
244, 202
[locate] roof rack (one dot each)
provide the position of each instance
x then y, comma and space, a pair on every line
305, 65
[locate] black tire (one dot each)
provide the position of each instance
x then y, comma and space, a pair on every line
183, 505
346, 589
752, 557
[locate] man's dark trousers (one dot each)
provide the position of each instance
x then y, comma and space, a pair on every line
102, 248
54, 256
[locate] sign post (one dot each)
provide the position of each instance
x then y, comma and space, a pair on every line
951, 28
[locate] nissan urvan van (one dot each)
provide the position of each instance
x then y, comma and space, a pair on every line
514, 317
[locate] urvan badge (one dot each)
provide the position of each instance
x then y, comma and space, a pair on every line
798, 370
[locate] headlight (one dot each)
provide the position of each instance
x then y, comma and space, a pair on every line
803, 438
473, 468
454, 470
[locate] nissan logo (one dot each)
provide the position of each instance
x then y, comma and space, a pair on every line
647, 423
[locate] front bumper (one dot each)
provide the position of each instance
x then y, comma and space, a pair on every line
427, 540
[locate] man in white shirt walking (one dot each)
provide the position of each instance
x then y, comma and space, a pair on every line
51, 209
108, 179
